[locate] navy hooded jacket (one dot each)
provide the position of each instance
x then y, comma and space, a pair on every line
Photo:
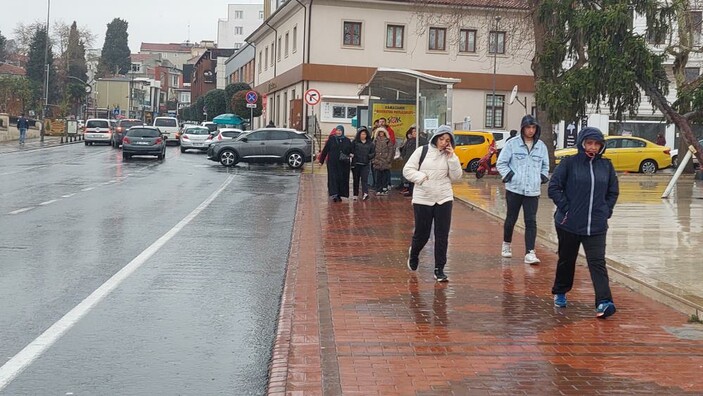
584, 189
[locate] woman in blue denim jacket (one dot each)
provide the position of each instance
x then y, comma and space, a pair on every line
524, 166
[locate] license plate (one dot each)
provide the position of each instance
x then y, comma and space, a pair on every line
197, 144
142, 143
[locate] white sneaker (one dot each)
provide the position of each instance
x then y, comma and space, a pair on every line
531, 258
506, 251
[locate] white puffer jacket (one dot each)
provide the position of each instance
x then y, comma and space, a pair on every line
433, 180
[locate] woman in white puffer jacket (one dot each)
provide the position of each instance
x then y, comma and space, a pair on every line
433, 196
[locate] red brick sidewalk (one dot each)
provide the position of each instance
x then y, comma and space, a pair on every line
355, 321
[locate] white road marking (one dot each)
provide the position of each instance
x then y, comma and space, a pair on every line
88, 189
18, 211
68, 195
18, 363
48, 202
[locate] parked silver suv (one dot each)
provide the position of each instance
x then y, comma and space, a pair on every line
281, 145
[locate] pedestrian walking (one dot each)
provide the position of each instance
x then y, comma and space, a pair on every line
584, 187
363, 151
382, 160
337, 154
406, 150
523, 164
270, 124
22, 126
432, 169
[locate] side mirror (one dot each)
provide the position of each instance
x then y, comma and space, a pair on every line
244, 139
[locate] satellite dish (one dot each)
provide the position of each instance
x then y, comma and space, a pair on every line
513, 95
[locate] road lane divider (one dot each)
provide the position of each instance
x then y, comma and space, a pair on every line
24, 358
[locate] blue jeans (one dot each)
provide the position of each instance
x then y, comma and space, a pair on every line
23, 135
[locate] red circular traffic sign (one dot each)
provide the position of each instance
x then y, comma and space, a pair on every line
312, 97
252, 97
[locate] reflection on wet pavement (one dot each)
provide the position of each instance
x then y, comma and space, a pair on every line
659, 241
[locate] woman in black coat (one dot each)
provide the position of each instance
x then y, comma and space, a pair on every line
337, 151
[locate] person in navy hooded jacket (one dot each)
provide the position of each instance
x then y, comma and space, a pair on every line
584, 187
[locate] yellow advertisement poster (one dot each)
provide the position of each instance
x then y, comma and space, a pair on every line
399, 116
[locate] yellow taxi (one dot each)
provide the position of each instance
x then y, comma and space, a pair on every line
471, 146
629, 153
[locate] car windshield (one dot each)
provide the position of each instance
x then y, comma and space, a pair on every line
211, 127
166, 122
129, 124
197, 131
143, 133
97, 124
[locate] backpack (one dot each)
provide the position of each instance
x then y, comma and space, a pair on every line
425, 148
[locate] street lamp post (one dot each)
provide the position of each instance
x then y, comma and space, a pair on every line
495, 63
42, 132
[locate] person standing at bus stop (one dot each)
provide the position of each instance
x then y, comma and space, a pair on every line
22, 125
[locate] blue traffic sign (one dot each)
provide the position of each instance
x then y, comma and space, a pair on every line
252, 97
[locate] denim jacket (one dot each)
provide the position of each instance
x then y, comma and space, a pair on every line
527, 166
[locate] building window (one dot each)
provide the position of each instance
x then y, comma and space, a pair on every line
238, 30
695, 20
260, 61
295, 39
467, 40
272, 45
691, 73
287, 44
394, 36
266, 58
279, 49
352, 34
494, 111
261, 15
239, 14
174, 80
338, 112
237, 45
492, 42
438, 39
136, 68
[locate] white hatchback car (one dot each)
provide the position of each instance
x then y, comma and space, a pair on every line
97, 130
195, 137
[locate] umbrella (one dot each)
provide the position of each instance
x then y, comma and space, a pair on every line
228, 119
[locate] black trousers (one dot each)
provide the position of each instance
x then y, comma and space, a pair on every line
383, 179
441, 216
529, 210
594, 246
361, 173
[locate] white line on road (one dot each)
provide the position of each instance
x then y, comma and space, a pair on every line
68, 195
18, 363
48, 202
18, 211
88, 189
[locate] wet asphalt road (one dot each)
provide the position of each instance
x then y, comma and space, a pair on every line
197, 316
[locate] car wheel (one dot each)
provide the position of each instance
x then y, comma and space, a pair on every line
183, 150
472, 166
648, 167
295, 159
161, 156
228, 157
675, 161
86, 143
125, 156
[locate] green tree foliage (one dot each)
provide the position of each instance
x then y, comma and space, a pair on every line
3, 46
216, 103
239, 105
233, 88
200, 110
15, 90
114, 58
36, 69
77, 68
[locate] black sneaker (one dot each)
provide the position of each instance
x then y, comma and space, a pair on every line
440, 275
412, 262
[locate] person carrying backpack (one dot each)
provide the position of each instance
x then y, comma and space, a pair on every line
432, 169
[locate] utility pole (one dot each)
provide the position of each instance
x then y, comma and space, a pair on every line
42, 132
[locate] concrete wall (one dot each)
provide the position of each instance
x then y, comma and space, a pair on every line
12, 133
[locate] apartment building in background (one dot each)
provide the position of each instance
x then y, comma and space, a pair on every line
243, 17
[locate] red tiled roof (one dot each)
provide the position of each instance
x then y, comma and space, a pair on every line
11, 70
159, 47
142, 57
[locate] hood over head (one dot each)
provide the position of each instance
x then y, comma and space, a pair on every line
441, 131
590, 133
358, 134
530, 120
341, 128
380, 130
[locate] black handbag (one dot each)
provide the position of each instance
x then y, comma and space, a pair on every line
344, 157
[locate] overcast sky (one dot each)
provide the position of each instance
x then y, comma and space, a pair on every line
159, 21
